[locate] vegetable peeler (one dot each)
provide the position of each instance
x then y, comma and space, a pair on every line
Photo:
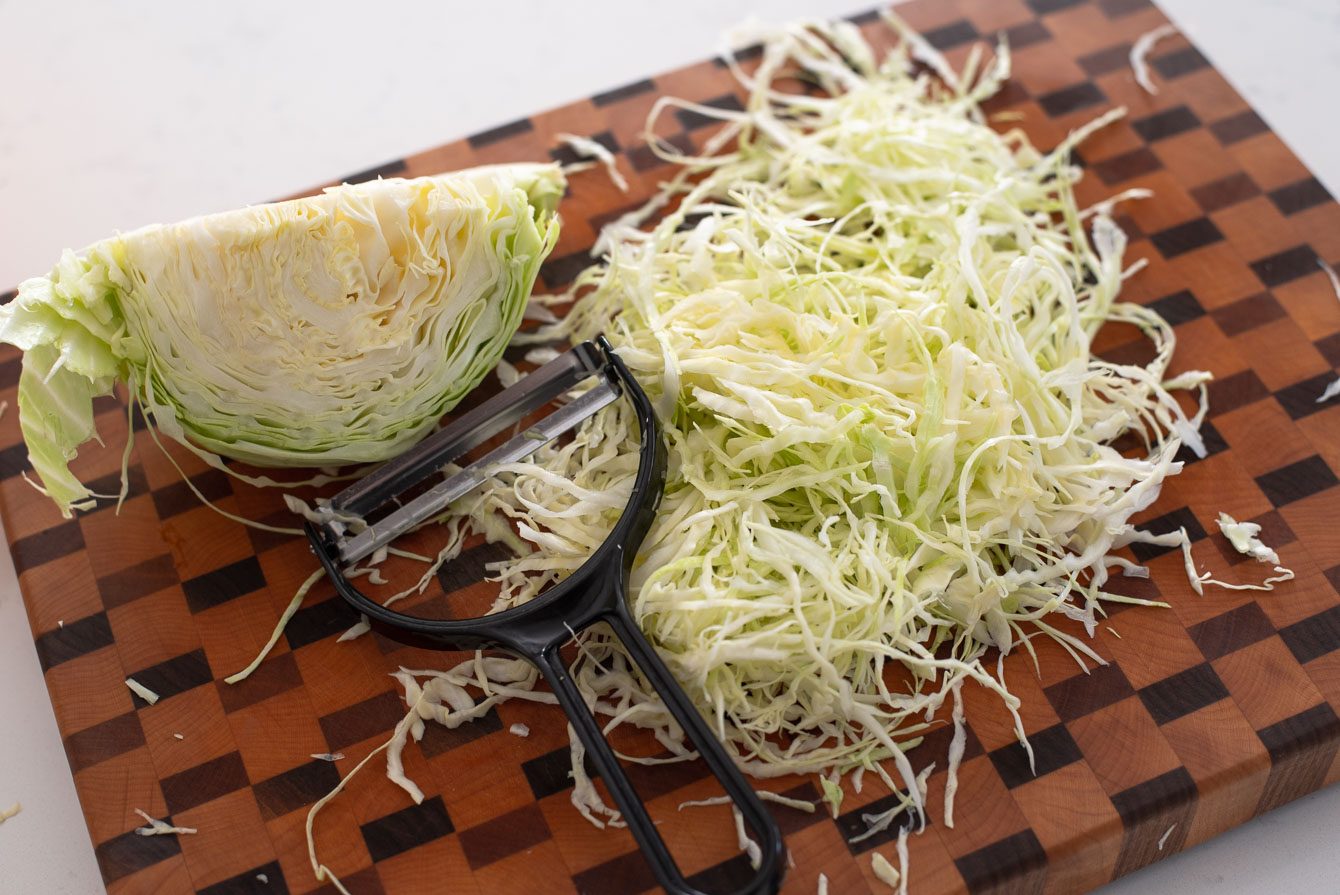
595, 592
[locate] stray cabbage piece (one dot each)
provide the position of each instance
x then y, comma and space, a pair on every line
160, 827
592, 149
1243, 537
886, 872
1140, 50
1163, 840
142, 691
313, 332
442, 698
763, 794
1333, 388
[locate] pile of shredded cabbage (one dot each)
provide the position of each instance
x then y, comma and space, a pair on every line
865, 318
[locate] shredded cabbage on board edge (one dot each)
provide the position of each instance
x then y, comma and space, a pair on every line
865, 319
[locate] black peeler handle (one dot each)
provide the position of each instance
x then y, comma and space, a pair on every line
768, 874
535, 639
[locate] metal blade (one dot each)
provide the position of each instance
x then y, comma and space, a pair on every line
436, 499
471, 430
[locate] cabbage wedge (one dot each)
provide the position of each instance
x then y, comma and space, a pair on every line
313, 332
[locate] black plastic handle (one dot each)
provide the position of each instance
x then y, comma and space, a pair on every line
768, 874
534, 638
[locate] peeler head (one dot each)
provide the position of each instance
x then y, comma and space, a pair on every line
347, 529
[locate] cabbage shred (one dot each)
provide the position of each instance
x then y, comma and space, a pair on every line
865, 319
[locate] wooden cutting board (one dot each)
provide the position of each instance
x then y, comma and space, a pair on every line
1207, 714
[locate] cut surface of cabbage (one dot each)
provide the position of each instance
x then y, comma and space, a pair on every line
313, 332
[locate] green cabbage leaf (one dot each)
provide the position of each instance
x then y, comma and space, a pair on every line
313, 332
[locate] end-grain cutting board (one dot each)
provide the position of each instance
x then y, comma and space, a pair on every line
1207, 714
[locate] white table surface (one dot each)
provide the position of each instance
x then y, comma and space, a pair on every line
114, 115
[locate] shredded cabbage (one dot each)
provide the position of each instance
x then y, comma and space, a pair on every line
763, 794
142, 691
293, 604
161, 827
884, 871
878, 823
865, 319
314, 332
1333, 387
1140, 50
958, 744
441, 698
1164, 838
900, 848
593, 149
1243, 537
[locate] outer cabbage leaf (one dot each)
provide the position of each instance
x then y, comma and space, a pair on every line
321, 331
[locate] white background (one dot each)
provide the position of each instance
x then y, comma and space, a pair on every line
114, 115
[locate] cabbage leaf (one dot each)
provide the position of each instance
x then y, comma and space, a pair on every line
313, 332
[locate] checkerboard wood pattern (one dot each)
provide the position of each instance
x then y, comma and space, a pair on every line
1207, 714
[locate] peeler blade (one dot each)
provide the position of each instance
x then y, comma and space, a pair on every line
437, 498
386, 483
